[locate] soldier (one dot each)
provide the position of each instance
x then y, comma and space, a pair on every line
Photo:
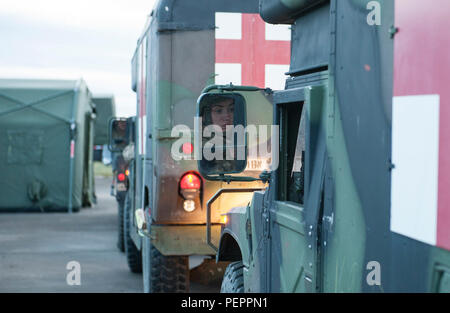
221, 113
119, 134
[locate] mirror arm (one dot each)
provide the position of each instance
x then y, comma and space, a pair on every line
263, 177
228, 178
232, 87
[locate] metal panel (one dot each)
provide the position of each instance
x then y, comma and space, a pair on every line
197, 14
285, 11
171, 240
422, 67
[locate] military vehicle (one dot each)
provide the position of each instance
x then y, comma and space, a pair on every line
46, 135
182, 50
105, 110
358, 201
122, 138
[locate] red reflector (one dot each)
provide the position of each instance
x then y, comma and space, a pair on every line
121, 177
188, 148
190, 181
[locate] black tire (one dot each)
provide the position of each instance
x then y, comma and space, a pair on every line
163, 273
120, 226
233, 279
134, 257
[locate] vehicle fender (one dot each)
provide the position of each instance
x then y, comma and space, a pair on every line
234, 244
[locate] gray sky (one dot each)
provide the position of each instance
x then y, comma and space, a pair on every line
92, 39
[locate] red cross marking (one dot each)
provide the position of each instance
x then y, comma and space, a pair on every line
253, 51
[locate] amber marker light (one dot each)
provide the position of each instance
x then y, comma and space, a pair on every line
224, 219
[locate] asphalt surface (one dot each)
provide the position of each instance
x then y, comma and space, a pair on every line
36, 249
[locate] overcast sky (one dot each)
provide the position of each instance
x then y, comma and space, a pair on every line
92, 39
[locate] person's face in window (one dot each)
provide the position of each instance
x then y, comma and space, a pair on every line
119, 133
222, 113
121, 127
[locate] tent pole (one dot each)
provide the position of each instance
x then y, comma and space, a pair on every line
72, 145
72, 156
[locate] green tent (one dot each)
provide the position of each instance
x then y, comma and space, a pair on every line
46, 139
105, 109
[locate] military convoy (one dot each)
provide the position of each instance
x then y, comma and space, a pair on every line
352, 196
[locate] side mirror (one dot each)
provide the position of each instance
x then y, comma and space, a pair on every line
223, 140
118, 134
234, 133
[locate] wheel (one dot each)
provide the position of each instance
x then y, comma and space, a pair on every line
120, 226
163, 273
133, 254
233, 279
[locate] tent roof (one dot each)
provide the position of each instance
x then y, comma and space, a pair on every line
41, 84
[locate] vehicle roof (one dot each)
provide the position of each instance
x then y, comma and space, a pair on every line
197, 14
193, 14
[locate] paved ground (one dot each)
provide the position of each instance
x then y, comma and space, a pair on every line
35, 249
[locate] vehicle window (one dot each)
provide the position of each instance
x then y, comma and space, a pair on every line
300, 147
297, 173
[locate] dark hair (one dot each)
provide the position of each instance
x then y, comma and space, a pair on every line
209, 102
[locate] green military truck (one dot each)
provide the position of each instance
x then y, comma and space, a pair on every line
358, 201
165, 221
122, 137
46, 135
105, 107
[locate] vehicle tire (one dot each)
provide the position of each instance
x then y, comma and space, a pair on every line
163, 273
133, 254
120, 226
233, 279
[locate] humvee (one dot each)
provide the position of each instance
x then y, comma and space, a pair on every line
121, 133
358, 201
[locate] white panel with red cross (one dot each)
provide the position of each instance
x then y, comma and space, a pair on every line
251, 52
420, 187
